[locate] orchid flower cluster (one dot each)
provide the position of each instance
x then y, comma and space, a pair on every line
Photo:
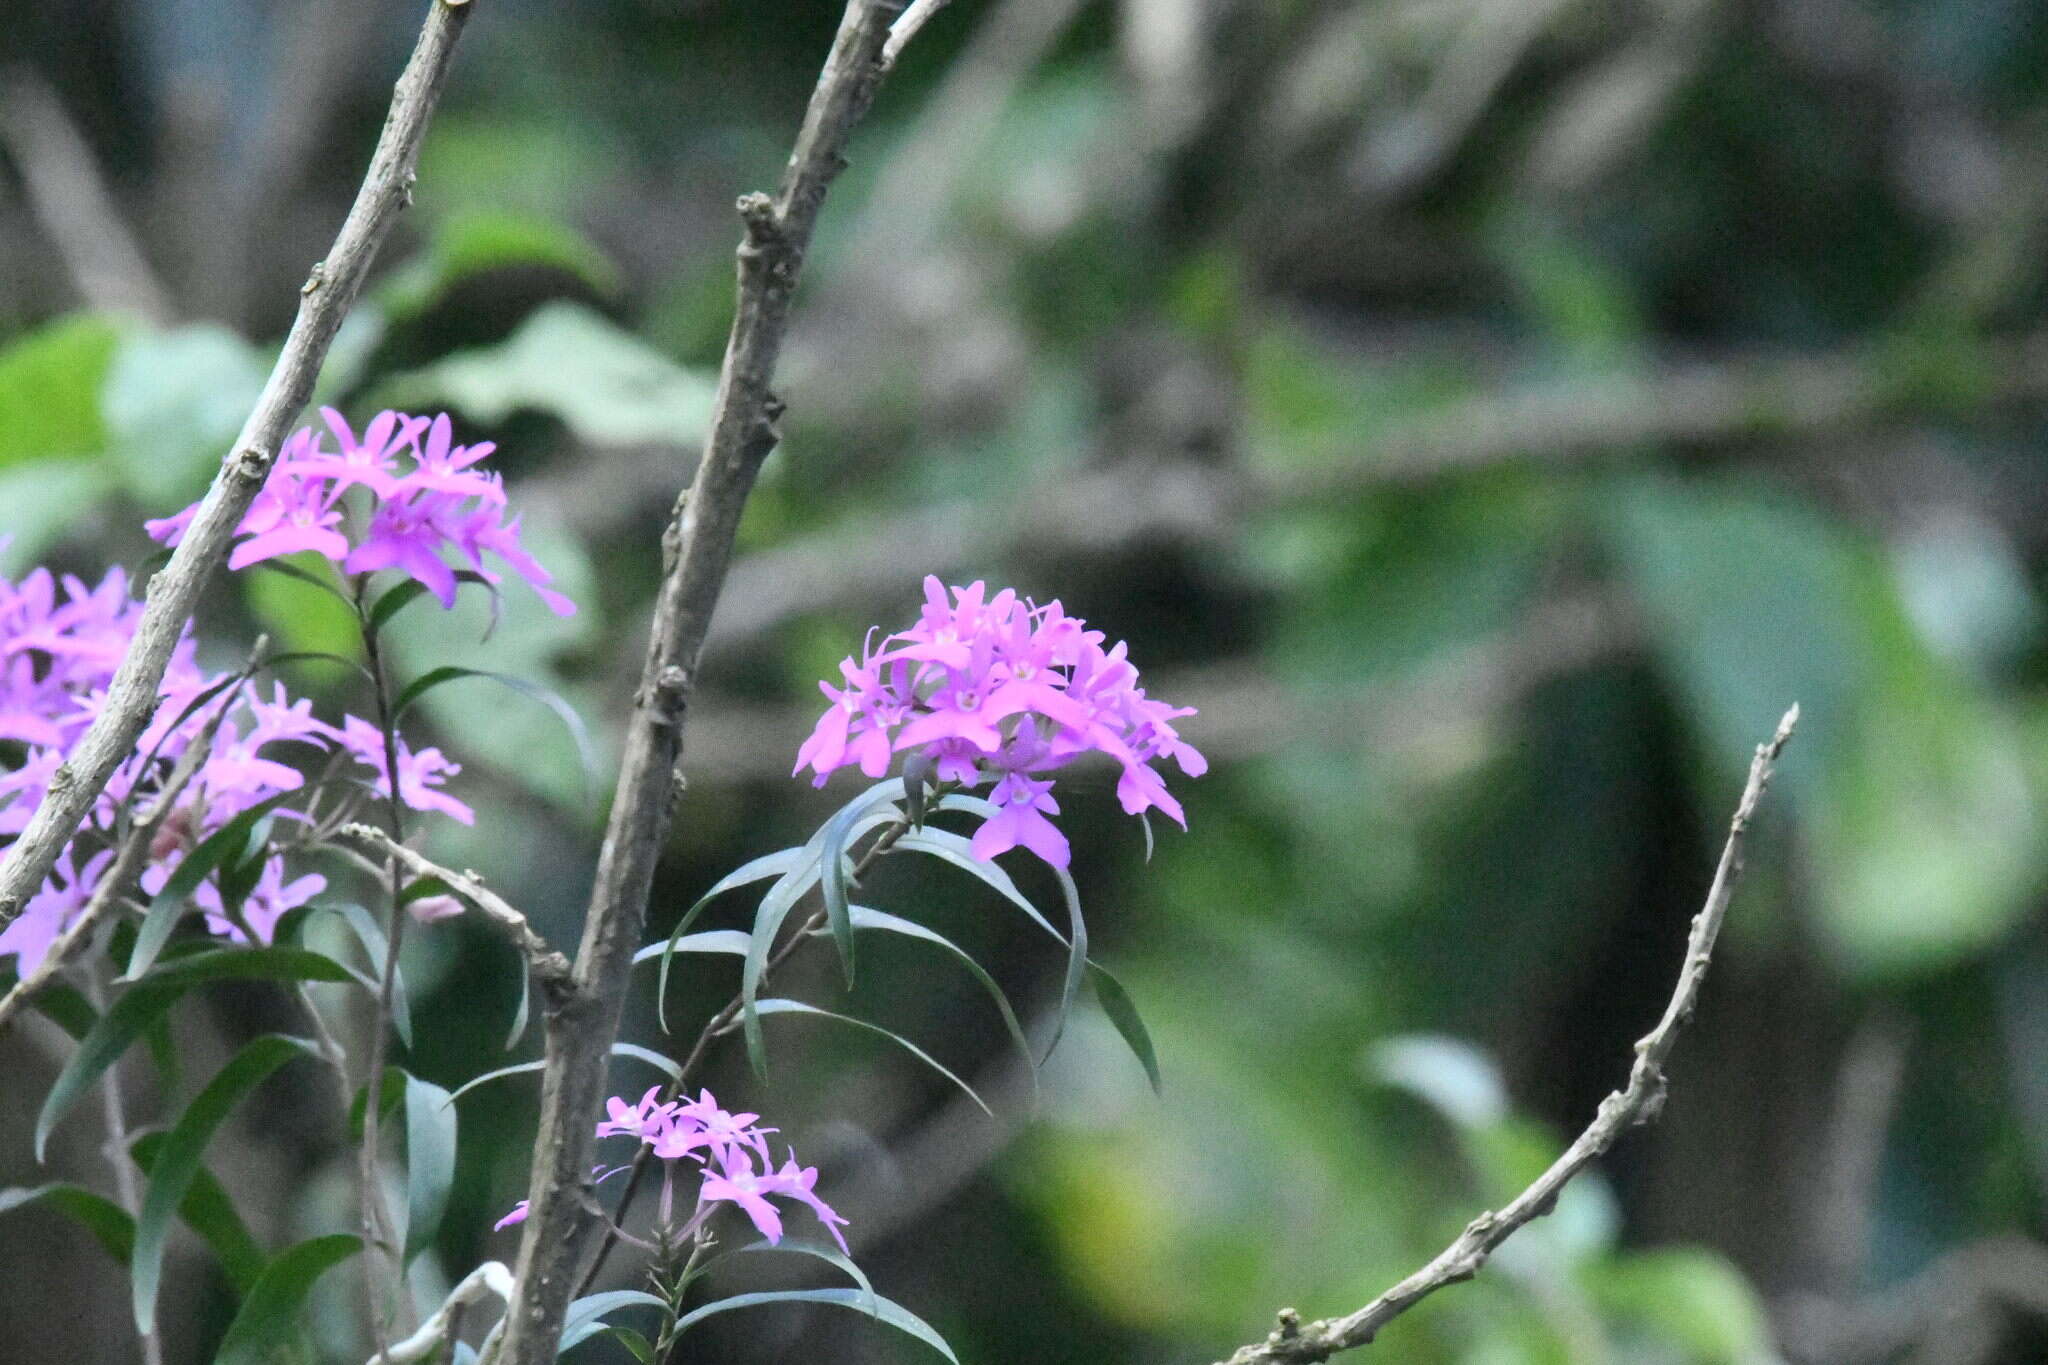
61, 639
424, 499
999, 688
723, 1148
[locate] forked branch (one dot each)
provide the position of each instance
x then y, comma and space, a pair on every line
1294, 1342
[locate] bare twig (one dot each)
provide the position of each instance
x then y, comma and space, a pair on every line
70, 199
325, 300
549, 968
1293, 1341
490, 1278
919, 13
697, 548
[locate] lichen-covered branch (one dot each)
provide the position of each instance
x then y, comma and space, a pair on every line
1293, 1342
324, 301
696, 549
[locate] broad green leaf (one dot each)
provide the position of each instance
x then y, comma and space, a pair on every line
1691, 1299
177, 1159
145, 1002
109, 1224
866, 917
874, 1305
50, 390
1451, 1076
174, 403
774, 1006
475, 240
275, 1304
41, 502
429, 1161
1116, 1003
167, 907
607, 386
208, 1211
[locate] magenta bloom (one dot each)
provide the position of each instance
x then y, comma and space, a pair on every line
420, 772
723, 1148
424, 498
1001, 688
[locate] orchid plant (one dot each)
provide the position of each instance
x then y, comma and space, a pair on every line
242, 817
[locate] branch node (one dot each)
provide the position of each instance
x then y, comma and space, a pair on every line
315, 277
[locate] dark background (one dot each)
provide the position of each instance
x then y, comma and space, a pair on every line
1490, 413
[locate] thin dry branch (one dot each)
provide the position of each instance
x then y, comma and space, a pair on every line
549, 968
324, 300
1294, 1342
697, 548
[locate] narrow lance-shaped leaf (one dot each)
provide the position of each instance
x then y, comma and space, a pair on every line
949, 847
208, 1211
275, 1304
665, 1065
776, 905
797, 1246
107, 1221
429, 1161
874, 1305
144, 1003
579, 733
167, 907
585, 1318
1116, 1003
1077, 954
370, 935
867, 917
178, 1156
799, 1007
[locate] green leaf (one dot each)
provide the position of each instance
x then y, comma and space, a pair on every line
174, 402
781, 897
866, 917
768, 865
50, 389
585, 1318
66, 1008
429, 1161
586, 751
797, 1246
376, 947
832, 883
665, 1065
472, 241
324, 582
1077, 955
109, 1224
144, 1003
641, 1347
607, 386
523, 1011
208, 1211
275, 1304
178, 1158
167, 907
874, 1305
392, 601
732, 941
949, 847
774, 1006
1116, 1003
